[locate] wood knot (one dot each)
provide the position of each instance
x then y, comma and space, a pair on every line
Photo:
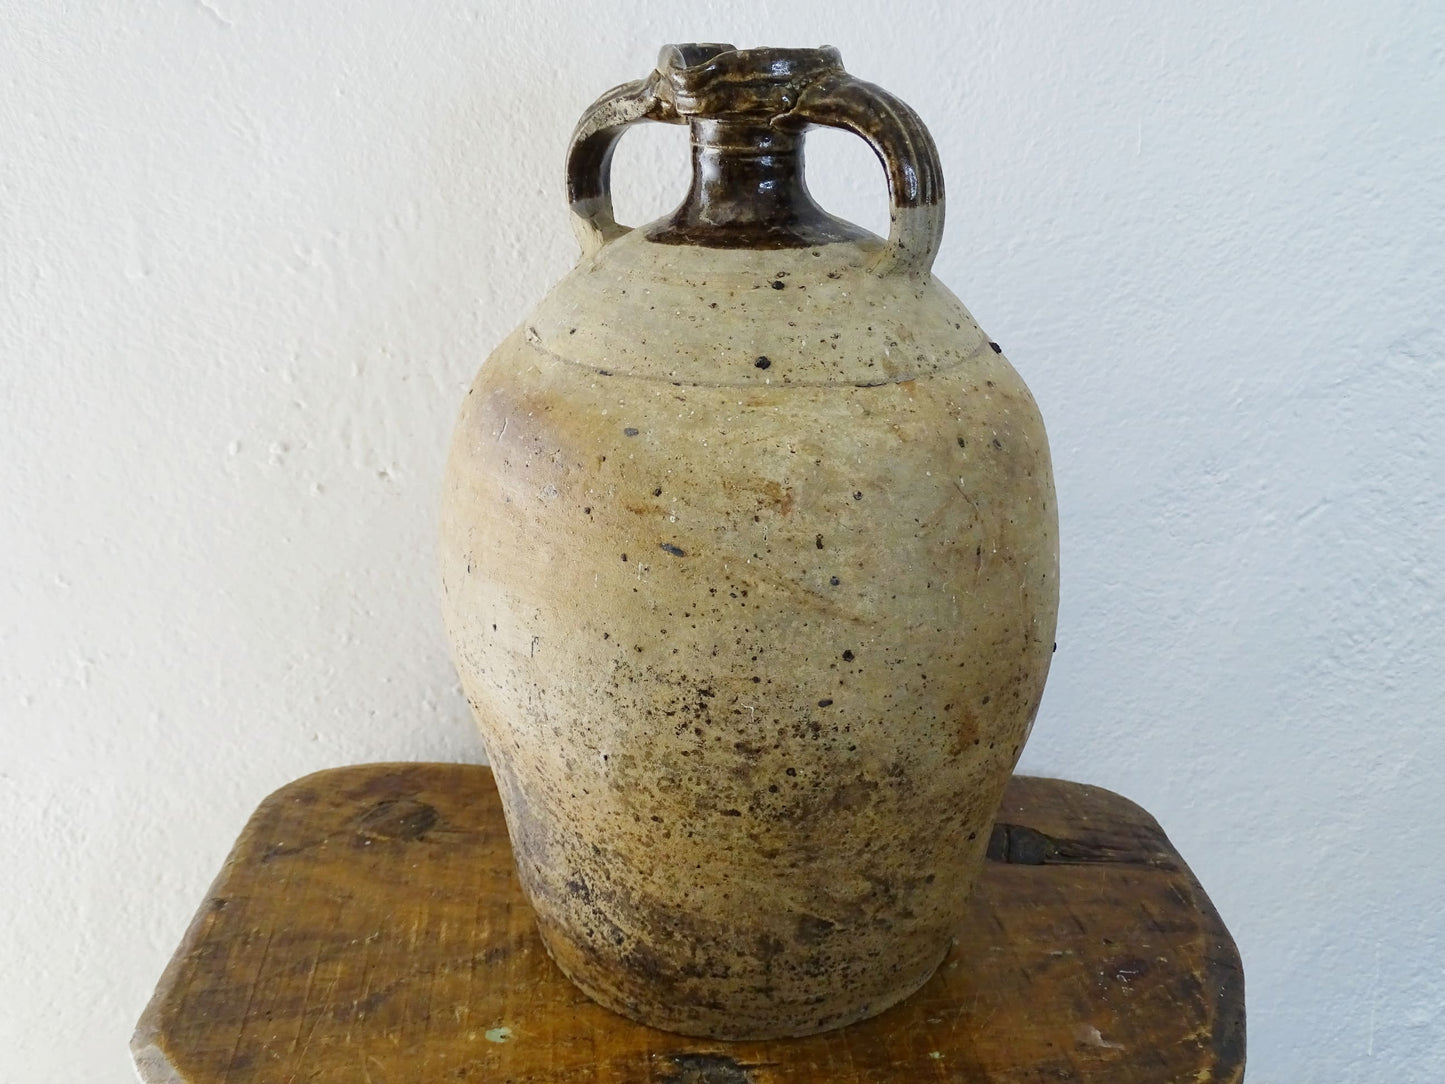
708, 1069
1020, 845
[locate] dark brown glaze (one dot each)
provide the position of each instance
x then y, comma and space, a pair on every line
748, 109
891, 128
589, 157
720, 80
748, 191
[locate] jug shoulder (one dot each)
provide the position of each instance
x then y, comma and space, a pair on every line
748, 317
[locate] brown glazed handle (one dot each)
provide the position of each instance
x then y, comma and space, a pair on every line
589, 158
812, 88
908, 154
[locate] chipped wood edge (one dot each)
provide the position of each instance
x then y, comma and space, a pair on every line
1224, 969
152, 1062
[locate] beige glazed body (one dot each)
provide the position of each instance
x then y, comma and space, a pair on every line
749, 558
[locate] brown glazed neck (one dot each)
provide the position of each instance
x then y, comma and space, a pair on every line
748, 191
747, 186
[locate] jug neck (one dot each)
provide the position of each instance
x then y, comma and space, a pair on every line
748, 191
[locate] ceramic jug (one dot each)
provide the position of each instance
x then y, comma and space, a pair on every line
749, 560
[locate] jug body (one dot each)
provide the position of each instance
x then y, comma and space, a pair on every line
749, 562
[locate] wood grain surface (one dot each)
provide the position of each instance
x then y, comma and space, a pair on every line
368, 928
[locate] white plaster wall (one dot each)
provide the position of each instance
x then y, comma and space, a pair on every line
251, 252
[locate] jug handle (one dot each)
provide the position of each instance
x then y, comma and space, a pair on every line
907, 152
838, 100
589, 156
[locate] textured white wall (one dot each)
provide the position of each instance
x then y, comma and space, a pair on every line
251, 252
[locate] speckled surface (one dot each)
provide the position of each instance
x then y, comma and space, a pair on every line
254, 256
750, 569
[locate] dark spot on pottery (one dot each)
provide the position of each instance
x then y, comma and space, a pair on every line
630, 432
996, 348
812, 929
777, 284
762, 362
668, 547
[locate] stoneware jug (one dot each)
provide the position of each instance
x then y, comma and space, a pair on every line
749, 557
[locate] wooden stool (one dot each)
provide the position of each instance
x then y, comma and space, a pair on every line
368, 928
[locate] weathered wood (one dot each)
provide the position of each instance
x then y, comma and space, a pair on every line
368, 927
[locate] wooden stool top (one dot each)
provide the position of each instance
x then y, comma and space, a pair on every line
368, 928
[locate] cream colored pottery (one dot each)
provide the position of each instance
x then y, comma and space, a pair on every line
749, 555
